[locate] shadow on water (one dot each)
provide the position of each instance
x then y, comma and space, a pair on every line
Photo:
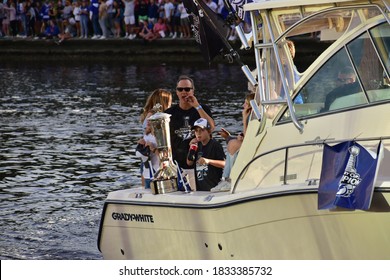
68, 133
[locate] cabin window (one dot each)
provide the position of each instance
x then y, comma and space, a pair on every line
381, 39
354, 76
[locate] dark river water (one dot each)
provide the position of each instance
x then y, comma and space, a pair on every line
67, 138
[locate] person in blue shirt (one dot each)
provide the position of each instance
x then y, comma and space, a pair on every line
52, 30
233, 145
94, 16
45, 14
296, 75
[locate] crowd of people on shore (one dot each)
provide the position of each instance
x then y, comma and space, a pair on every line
99, 19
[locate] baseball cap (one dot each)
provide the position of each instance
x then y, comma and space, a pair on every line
202, 123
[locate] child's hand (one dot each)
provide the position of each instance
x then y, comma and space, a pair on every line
193, 141
203, 161
224, 133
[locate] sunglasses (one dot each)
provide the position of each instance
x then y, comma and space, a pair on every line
186, 89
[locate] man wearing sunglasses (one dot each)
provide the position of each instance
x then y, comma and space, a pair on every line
183, 115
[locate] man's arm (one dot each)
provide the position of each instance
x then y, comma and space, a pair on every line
201, 111
203, 114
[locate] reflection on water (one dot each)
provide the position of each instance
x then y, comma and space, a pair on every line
67, 138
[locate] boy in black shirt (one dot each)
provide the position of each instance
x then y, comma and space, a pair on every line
208, 158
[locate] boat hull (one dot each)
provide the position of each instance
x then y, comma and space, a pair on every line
283, 226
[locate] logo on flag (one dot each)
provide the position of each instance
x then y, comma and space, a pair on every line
351, 179
348, 176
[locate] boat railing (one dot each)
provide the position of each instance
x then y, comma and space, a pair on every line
315, 142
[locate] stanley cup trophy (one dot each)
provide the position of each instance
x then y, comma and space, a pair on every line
165, 179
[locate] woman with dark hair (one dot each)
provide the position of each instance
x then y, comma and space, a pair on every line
158, 96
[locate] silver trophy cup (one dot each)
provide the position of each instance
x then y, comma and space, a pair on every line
165, 179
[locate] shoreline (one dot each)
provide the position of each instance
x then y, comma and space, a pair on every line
137, 50
74, 48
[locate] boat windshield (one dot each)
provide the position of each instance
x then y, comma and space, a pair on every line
357, 75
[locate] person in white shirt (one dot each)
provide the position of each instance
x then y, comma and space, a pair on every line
184, 21
76, 14
168, 13
129, 18
148, 155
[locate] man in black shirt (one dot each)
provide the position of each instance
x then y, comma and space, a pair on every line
183, 115
347, 84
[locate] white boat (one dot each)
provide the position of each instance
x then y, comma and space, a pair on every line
272, 210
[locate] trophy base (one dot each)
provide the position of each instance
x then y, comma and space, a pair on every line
164, 186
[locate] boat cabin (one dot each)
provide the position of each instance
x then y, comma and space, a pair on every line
286, 135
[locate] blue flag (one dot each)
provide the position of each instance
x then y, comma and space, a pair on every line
182, 181
348, 176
